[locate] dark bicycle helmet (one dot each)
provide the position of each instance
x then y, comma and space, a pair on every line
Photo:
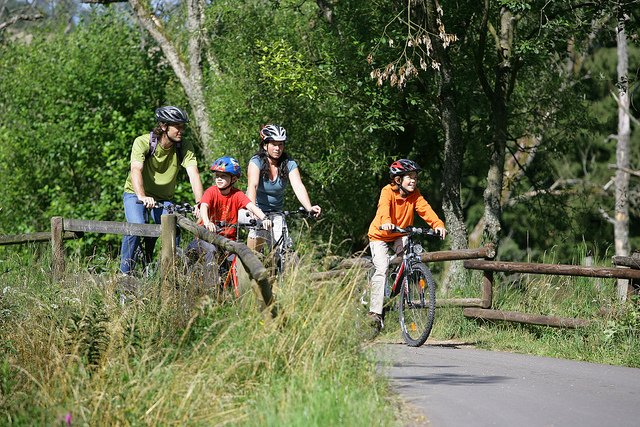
228, 165
402, 167
272, 133
171, 114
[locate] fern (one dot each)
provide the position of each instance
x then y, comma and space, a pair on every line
88, 333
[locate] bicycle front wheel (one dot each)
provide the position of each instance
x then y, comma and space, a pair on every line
417, 305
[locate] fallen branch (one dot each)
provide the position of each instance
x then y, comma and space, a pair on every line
17, 18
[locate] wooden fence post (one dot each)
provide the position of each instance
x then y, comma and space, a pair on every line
57, 247
168, 242
487, 289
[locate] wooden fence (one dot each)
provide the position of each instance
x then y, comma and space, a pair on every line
474, 259
480, 308
62, 228
489, 267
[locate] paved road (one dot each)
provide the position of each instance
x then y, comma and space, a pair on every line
469, 387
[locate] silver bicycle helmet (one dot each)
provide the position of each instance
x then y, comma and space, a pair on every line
171, 114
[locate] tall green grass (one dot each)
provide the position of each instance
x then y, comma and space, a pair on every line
173, 356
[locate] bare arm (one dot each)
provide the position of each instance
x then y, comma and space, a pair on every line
204, 214
254, 209
196, 183
196, 186
138, 185
253, 178
301, 193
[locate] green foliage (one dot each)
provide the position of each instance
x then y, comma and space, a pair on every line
88, 333
285, 71
71, 107
626, 325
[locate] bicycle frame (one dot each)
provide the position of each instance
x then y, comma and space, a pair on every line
404, 269
284, 242
414, 284
232, 277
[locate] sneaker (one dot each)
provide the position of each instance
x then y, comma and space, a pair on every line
376, 320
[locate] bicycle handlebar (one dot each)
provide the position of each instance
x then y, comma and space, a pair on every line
411, 230
172, 207
300, 211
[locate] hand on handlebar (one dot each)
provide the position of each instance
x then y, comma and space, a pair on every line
148, 202
266, 223
441, 231
387, 226
211, 227
315, 211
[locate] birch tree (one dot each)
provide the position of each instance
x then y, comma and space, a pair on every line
621, 222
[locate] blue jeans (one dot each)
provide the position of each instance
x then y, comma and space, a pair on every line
136, 213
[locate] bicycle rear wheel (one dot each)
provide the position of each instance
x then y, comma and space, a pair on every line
417, 305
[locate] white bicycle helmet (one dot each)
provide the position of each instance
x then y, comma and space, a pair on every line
273, 133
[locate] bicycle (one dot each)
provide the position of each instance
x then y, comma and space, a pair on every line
413, 280
225, 276
143, 255
281, 251
227, 271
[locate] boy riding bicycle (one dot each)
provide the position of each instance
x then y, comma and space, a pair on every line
219, 208
396, 206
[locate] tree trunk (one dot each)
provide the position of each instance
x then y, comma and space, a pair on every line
621, 224
189, 77
513, 170
499, 118
453, 153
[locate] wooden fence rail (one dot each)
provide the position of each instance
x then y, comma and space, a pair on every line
489, 267
554, 269
41, 236
112, 227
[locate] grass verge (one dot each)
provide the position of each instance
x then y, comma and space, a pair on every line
175, 356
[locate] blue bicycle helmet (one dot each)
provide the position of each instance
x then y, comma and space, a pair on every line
228, 165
